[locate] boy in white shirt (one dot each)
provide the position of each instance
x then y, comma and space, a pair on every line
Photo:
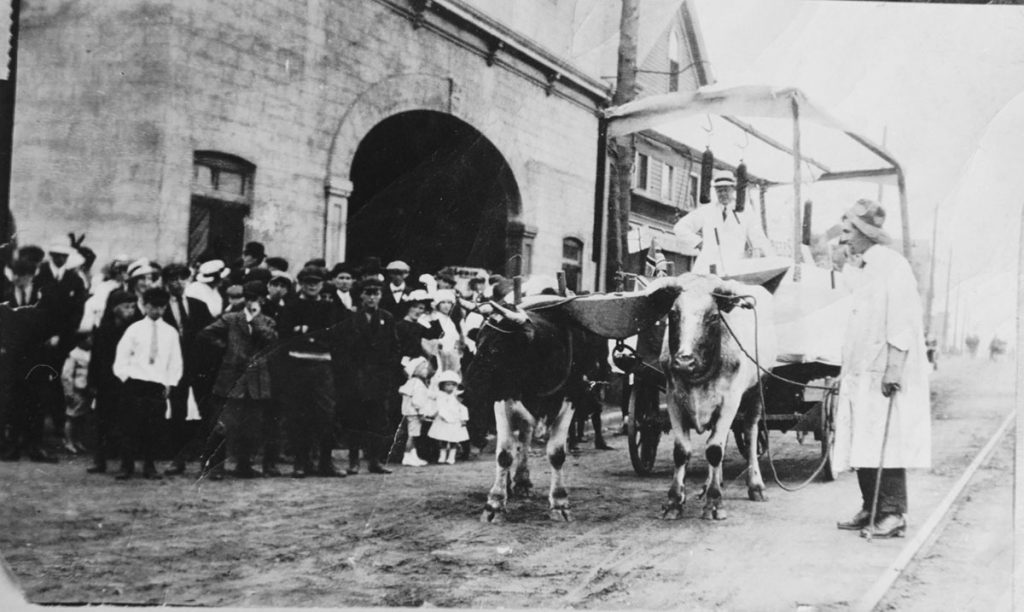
149, 363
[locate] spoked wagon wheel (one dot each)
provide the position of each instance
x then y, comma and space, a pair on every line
828, 437
644, 426
739, 432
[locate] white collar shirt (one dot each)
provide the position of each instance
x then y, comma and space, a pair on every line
346, 298
723, 240
136, 357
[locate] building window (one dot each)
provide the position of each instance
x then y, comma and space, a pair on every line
694, 191
572, 263
673, 62
668, 179
641, 172
222, 196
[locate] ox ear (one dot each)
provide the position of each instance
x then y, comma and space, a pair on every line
729, 294
765, 271
623, 314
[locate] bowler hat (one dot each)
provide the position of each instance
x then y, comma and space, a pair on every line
868, 217
254, 249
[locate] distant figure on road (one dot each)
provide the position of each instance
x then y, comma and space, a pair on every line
971, 342
883, 360
996, 347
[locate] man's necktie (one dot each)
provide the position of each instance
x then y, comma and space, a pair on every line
724, 214
153, 345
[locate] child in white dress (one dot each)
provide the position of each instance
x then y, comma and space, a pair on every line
417, 405
450, 422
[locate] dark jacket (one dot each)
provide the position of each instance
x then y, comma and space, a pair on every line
197, 319
368, 356
387, 298
244, 371
411, 336
319, 317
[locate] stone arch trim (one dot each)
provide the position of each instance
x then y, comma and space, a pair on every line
396, 94
389, 96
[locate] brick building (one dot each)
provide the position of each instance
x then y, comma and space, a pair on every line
441, 132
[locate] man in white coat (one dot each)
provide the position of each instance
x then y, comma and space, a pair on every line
883, 360
721, 232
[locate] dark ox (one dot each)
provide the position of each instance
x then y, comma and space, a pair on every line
709, 376
530, 365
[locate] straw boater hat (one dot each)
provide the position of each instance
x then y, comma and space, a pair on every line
868, 217
398, 266
724, 178
209, 270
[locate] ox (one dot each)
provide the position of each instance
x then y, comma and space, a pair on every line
709, 377
530, 364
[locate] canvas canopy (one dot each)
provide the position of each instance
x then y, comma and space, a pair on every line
754, 124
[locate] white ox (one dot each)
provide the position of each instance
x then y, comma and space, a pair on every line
708, 376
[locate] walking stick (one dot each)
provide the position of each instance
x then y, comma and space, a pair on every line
881, 460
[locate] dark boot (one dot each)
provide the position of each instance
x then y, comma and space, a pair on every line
353, 456
373, 454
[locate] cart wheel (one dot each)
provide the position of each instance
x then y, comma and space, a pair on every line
828, 440
739, 433
644, 427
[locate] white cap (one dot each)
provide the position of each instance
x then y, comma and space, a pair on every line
447, 376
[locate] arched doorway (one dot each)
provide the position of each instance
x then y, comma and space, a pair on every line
431, 190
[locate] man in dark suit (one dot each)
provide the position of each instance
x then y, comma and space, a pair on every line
307, 390
189, 316
368, 361
58, 275
22, 331
397, 288
23, 290
339, 287
244, 381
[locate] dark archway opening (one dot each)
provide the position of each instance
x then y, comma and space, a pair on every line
431, 190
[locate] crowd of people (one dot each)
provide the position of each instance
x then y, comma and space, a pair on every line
274, 367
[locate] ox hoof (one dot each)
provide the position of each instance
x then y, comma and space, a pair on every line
757, 495
672, 512
522, 489
713, 513
561, 515
492, 515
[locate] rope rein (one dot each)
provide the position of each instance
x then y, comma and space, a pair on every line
760, 389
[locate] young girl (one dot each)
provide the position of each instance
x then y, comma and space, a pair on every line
450, 423
78, 401
417, 405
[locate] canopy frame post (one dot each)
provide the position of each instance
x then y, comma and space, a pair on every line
797, 161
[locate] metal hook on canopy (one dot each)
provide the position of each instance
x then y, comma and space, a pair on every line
710, 129
746, 142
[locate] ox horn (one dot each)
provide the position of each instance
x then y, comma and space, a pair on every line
511, 315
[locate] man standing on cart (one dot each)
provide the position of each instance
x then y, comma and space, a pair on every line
721, 232
883, 388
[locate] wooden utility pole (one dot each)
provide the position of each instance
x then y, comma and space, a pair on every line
7, 92
622, 149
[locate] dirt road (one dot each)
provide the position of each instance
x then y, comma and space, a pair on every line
414, 538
